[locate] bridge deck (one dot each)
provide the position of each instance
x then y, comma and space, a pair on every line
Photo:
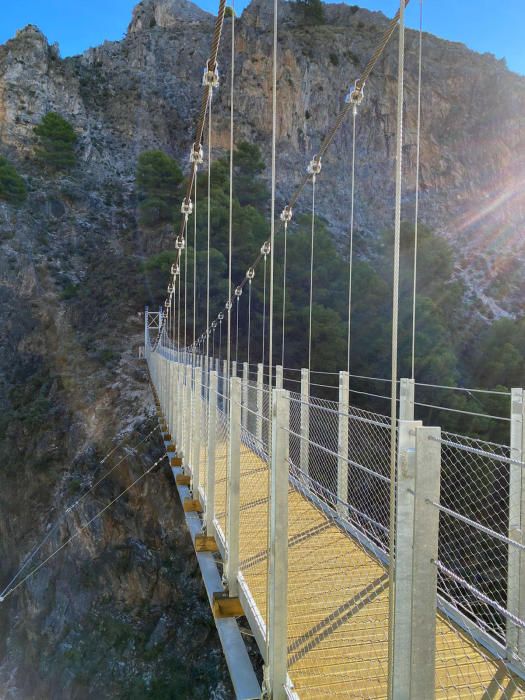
338, 603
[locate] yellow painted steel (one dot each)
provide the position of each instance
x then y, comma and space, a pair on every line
338, 603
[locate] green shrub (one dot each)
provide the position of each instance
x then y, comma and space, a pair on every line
56, 143
12, 186
158, 180
312, 10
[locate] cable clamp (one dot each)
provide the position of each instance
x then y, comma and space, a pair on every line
238, 291
210, 77
265, 248
180, 243
221, 316
286, 214
196, 154
175, 269
250, 273
314, 168
170, 288
228, 306
355, 96
214, 325
186, 207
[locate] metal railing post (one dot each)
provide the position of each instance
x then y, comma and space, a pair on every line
342, 445
260, 387
196, 437
516, 557
245, 395
417, 530
304, 451
233, 487
406, 399
186, 432
212, 439
277, 631
279, 377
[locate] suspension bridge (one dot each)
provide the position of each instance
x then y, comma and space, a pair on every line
371, 555
356, 544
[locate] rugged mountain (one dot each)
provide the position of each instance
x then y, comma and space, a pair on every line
120, 612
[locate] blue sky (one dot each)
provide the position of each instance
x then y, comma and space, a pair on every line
481, 24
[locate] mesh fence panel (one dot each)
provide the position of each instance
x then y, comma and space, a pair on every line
476, 487
369, 473
253, 539
221, 466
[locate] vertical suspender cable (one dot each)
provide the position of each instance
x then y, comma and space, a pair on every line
272, 256
237, 331
194, 265
416, 211
249, 319
230, 214
311, 276
209, 230
351, 252
284, 291
264, 313
185, 342
395, 317
178, 308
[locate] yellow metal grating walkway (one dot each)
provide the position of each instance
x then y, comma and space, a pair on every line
338, 603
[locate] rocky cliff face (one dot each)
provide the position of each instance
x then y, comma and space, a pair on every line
120, 612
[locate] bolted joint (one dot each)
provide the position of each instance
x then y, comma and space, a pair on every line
210, 78
314, 167
196, 154
286, 214
186, 207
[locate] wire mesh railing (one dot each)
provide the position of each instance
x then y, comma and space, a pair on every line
338, 457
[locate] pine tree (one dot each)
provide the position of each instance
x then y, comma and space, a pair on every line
12, 186
56, 142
